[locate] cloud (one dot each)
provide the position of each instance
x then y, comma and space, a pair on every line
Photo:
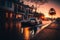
37, 1
57, 2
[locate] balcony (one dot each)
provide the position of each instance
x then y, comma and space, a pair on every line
7, 5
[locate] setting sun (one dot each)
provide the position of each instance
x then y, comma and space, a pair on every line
45, 8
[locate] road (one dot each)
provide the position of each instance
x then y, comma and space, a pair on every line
51, 32
43, 25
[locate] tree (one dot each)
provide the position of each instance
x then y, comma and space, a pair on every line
52, 12
36, 14
41, 15
57, 20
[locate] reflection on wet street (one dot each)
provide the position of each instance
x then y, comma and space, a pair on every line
26, 33
18, 29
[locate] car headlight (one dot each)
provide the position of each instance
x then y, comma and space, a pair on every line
32, 21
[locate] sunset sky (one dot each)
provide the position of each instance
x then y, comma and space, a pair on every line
45, 7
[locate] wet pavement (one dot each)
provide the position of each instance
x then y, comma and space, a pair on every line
52, 32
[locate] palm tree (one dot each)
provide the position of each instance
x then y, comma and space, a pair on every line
52, 12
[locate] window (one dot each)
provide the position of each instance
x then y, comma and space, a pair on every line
11, 15
2, 2
16, 0
6, 14
16, 8
8, 4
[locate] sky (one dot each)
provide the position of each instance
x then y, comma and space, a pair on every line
44, 6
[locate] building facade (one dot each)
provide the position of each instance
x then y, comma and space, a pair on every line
11, 13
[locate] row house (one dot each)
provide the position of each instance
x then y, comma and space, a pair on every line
11, 13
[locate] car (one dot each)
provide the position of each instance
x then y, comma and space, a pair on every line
57, 20
32, 21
